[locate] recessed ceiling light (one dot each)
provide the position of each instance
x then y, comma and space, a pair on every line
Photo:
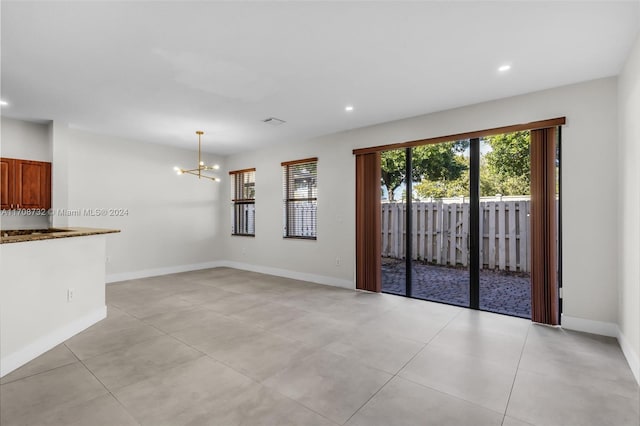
4, 103
504, 68
348, 108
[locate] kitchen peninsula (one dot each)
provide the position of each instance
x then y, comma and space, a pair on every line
52, 287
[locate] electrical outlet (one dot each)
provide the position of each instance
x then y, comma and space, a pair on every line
70, 294
108, 260
338, 261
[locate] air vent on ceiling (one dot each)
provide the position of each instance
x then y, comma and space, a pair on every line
273, 121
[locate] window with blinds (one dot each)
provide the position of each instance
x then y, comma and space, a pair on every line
243, 190
300, 193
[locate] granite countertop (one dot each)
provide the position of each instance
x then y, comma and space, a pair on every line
24, 235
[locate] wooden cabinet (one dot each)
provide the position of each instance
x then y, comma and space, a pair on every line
6, 183
25, 184
32, 184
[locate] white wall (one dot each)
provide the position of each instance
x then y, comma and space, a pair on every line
35, 315
589, 189
171, 222
58, 142
629, 209
25, 140
28, 141
311, 260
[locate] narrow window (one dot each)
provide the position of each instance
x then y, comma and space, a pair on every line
300, 193
243, 190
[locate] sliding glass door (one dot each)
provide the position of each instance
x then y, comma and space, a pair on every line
455, 223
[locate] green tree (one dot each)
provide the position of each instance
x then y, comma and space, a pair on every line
393, 165
507, 168
432, 162
504, 170
492, 184
446, 188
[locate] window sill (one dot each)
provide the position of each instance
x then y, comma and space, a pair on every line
299, 238
243, 235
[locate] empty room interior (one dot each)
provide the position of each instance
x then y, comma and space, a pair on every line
320, 213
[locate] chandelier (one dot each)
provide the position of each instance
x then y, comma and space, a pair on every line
201, 170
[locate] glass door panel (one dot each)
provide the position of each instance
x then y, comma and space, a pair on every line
440, 223
504, 236
393, 222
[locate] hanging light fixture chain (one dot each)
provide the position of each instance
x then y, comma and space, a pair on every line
199, 133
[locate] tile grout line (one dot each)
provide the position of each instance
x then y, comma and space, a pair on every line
429, 387
369, 399
74, 354
40, 372
203, 354
109, 390
403, 366
104, 386
256, 381
515, 376
427, 343
142, 340
440, 391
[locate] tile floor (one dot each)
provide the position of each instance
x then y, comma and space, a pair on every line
227, 347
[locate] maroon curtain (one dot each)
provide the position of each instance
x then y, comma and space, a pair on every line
368, 239
544, 283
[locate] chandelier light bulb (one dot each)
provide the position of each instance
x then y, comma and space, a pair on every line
216, 167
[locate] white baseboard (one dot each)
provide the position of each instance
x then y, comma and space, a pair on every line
630, 354
286, 273
51, 340
145, 273
590, 326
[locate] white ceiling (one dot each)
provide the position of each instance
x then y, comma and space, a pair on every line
158, 71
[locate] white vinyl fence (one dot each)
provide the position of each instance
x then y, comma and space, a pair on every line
441, 233
303, 218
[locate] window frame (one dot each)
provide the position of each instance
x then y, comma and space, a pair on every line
235, 177
289, 201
